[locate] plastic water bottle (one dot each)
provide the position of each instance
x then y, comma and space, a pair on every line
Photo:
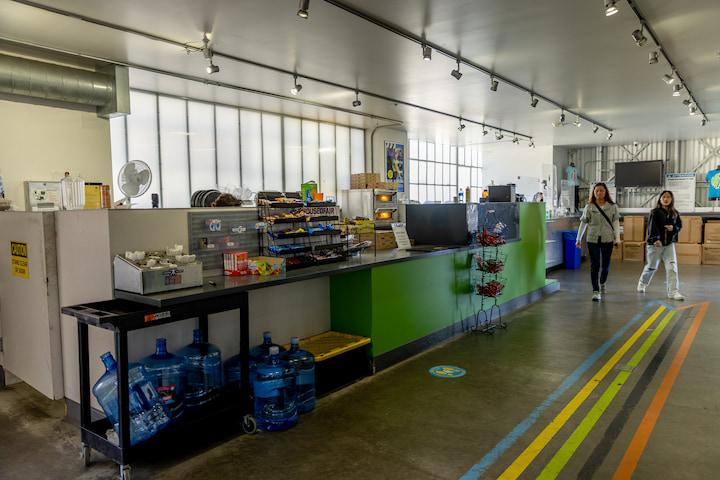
148, 413
258, 356
275, 392
260, 353
304, 364
167, 372
203, 365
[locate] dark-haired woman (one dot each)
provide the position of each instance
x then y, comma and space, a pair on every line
664, 226
601, 220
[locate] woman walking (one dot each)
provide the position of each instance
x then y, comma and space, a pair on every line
601, 220
664, 226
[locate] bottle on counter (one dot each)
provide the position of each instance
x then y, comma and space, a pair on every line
167, 372
203, 364
461, 196
148, 413
467, 195
303, 362
72, 192
275, 394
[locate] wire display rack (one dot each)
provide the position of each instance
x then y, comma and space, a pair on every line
489, 282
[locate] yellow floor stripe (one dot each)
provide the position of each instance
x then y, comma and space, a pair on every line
537, 445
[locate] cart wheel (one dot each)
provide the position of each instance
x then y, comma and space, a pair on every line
125, 472
249, 425
86, 453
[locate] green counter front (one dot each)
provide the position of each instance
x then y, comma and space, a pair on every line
406, 307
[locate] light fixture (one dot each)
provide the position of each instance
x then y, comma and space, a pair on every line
562, 117
493, 84
669, 79
687, 102
515, 140
484, 130
610, 7
653, 58
498, 135
577, 122
703, 122
561, 123
296, 86
595, 128
357, 101
456, 71
212, 68
531, 144
693, 109
609, 135
533, 100
208, 53
303, 9
461, 127
639, 37
677, 88
427, 52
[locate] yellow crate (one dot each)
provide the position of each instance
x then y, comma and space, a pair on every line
331, 344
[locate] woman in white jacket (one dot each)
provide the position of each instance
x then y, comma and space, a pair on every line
601, 221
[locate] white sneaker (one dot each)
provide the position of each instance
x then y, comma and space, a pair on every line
676, 296
596, 297
603, 288
641, 287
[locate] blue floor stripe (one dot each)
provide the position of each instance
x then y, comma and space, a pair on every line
481, 467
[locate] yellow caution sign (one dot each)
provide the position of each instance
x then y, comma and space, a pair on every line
19, 259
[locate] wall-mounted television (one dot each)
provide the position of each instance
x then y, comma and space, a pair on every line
640, 174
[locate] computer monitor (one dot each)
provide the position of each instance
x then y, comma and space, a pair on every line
437, 224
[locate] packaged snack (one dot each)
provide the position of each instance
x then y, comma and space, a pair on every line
235, 263
266, 266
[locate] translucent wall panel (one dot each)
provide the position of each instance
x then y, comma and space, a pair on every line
422, 172
431, 151
143, 140
342, 157
413, 171
439, 180
357, 150
174, 153
311, 156
463, 178
461, 156
328, 184
414, 194
293, 154
430, 173
251, 150
272, 152
446, 174
118, 150
414, 149
227, 126
453, 154
422, 150
201, 121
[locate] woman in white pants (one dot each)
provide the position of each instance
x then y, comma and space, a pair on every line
663, 228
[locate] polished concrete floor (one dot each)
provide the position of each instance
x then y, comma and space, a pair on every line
405, 424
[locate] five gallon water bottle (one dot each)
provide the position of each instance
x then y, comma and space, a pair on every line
258, 355
204, 370
304, 364
275, 407
167, 372
148, 413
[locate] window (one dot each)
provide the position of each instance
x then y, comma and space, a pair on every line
437, 172
193, 145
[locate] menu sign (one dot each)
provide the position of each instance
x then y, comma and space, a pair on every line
683, 188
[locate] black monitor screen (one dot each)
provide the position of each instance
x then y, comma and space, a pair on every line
437, 224
640, 174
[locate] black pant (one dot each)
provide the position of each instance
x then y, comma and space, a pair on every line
599, 252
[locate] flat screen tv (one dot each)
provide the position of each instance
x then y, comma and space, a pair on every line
437, 224
640, 174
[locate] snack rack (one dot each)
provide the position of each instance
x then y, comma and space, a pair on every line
489, 263
305, 233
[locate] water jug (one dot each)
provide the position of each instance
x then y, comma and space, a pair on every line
274, 385
304, 364
148, 413
203, 366
167, 372
258, 355
72, 192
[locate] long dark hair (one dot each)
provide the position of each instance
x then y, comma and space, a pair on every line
670, 208
608, 199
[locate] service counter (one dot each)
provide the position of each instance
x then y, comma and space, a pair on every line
554, 242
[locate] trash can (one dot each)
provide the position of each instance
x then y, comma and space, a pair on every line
571, 254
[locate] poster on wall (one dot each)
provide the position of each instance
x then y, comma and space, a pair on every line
395, 164
683, 187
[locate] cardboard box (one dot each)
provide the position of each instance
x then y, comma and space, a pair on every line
688, 253
386, 185
617, 254
385, 240
712, 232
634, 229
364, 180
366, 237
266, 266
634, 251
711, 254
692, 230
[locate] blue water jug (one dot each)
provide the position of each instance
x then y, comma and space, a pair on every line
260, 353
203, 365
167, 372
148, 413
304, 364
275, 392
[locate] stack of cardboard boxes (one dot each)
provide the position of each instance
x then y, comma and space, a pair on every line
689, 248
634, 236
370, 180
711, 247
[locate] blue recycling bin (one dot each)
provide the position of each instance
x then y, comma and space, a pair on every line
571, 254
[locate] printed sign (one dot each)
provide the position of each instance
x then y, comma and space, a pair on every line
152, 317
447, 371
395, 164
19, 259
683, 188
401, 236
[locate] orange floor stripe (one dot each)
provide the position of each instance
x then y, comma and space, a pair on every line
637, 446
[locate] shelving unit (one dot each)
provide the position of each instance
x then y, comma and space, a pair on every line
489, 283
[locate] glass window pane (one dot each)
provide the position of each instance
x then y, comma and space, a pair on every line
461, 156
311, 156
422, 150
143, 140
430, 173
438, 152
414, 171
423, 193
475, 156
357, 150
227, 126
342, 157
453, 154
414, 193
431, 151
475, 194
251, 150
422, 172
118, 144
447, 194
174, 153
293, 154
446, 174
414, 149
431, 193
463, 178
446, 153
201, 122
327, 184
439, 174
272, 152
453, 177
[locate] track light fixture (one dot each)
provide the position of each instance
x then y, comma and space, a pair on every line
533, 100
687, 102
461, 127
515, 140
610, 7
703, 122
493, 84
303, 8
427, 52
609, 135
296, 86
639, 37
693, 109
484, 130
577, 122
357, 101
456, 71
595, 129
531, 144
653, 58
677, 88
669, 79
498, 135
561, 123
212, 68
208, 53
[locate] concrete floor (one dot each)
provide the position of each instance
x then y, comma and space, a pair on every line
404, 423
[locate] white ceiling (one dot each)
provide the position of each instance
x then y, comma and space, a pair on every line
567, 50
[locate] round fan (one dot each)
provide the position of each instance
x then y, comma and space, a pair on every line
134, 179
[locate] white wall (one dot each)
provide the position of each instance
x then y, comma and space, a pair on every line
503, 163
39, 142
